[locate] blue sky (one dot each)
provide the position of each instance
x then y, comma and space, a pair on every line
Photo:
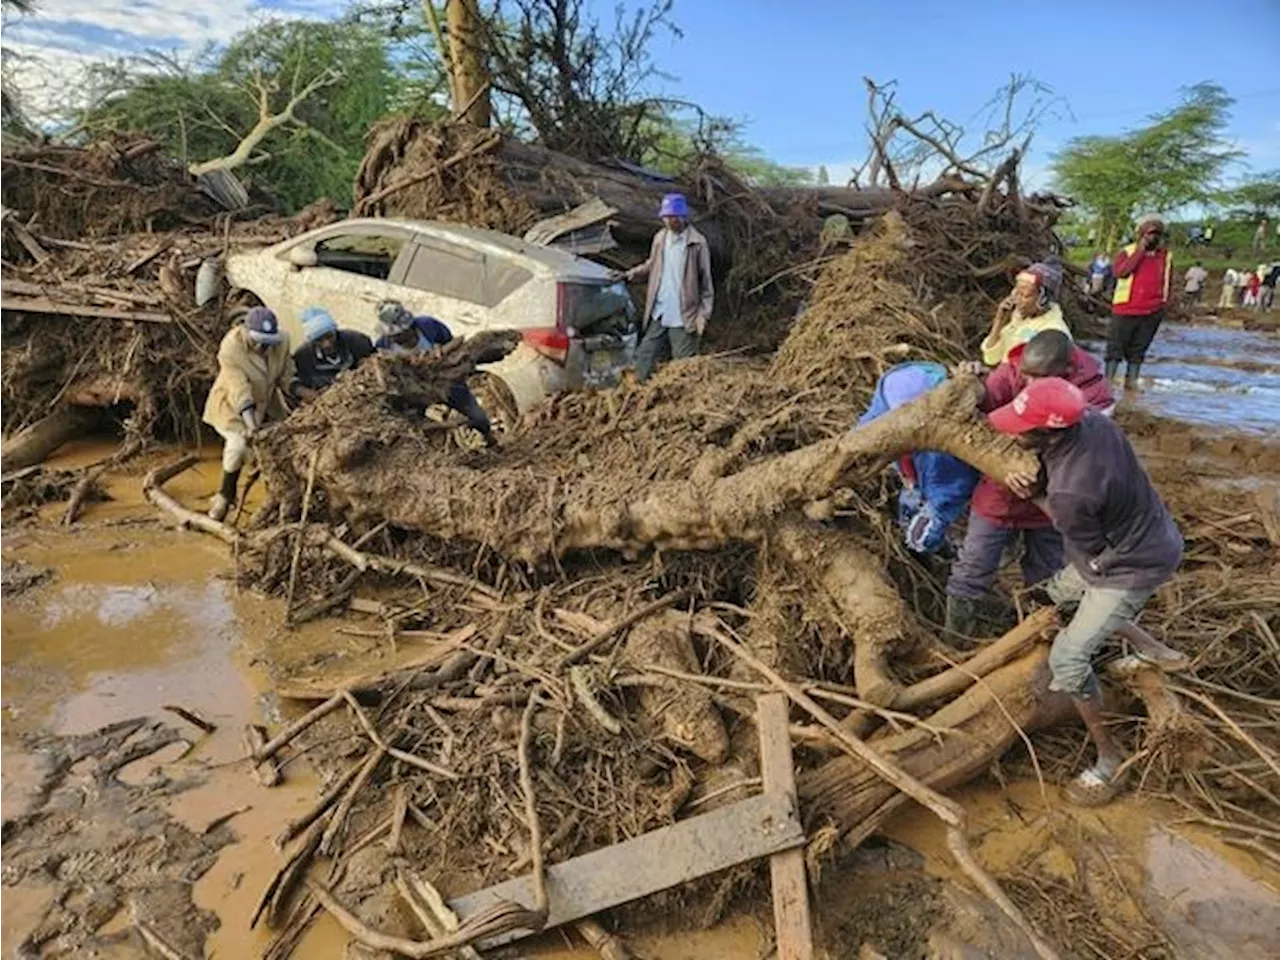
794, 70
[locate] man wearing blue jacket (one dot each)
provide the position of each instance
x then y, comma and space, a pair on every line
936, 487
402, 332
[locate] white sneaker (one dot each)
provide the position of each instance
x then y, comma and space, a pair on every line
218, 507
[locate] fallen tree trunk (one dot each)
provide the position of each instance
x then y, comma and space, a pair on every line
38, 441
986, 720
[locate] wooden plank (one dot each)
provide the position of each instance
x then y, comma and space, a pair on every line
577, 888
45, 305
793, 930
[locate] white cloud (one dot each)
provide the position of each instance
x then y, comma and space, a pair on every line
64, 37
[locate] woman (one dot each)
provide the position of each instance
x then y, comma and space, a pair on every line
254, 368
1031, 308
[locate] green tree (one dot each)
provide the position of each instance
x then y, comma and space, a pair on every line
824, 178
286, 103
1256, 197
1176, 160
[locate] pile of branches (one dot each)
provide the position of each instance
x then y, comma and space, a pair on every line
119, 184
113, 324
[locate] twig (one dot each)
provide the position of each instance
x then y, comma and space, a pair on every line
330, 796
273, 746
339, 818
579, 679
401, 755
297, 546
540, 900
192, 718
626, 623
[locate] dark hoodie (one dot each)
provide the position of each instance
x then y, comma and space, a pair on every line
1116, 530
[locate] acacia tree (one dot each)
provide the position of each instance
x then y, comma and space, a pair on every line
1256, 197
1175, 160
287, 101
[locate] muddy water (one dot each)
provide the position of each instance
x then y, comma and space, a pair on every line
1213, 377
138, 617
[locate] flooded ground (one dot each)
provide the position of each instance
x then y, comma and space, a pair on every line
1213, 377
135, 618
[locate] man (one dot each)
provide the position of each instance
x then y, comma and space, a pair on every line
998, 517
935, 486
1120, 542
326, 351
1143, 271
1208, 233
402, 332
680, 293
1193, 285
1260, 235
1230, 280
255, 369
1267, 295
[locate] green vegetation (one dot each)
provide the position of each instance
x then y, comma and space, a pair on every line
1176, 160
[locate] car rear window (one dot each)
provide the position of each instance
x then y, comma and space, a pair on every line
589, 303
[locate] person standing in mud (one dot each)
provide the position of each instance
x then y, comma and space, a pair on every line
1029, 309
680, 294
1143, 273
326, 351
1230, 280
255, 372
402, 332
935, 486
1120, 543
998, 518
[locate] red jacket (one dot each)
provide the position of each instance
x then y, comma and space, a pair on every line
1142, 281
996, 503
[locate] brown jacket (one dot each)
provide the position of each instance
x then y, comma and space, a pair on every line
697, 292
247, 378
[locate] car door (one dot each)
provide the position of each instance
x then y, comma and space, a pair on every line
448, 281
356, 267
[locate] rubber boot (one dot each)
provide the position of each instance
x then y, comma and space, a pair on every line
1132, 372
225, 497
1112, 368
962, 617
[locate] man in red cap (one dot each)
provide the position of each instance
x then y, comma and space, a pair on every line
1120, 542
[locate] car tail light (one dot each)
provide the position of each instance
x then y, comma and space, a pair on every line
553, 342
548, 341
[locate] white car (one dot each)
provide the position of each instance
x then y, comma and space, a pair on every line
576, 321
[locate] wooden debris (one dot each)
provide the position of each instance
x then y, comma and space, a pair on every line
605, 878
266, 772
792, 926
191, 717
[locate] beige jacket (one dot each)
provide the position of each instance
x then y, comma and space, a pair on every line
697, 292
247, 378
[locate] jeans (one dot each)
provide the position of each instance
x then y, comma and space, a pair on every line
658, 343
464, 401
235, 450
1129, 338
1099, 611
984, 545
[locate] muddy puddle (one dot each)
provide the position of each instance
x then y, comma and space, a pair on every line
135, 618
1213, 377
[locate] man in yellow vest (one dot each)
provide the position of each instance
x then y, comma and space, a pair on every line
1143, 271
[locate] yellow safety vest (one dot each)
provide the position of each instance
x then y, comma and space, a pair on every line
1124, 285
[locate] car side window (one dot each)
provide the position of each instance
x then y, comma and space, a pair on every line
366, 254
447, 270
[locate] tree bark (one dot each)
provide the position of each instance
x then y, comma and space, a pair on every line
467, 64
858, 801
34, 444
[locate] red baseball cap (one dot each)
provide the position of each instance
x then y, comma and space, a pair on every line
1048, 402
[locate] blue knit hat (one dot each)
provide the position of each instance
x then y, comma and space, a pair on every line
317, 322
